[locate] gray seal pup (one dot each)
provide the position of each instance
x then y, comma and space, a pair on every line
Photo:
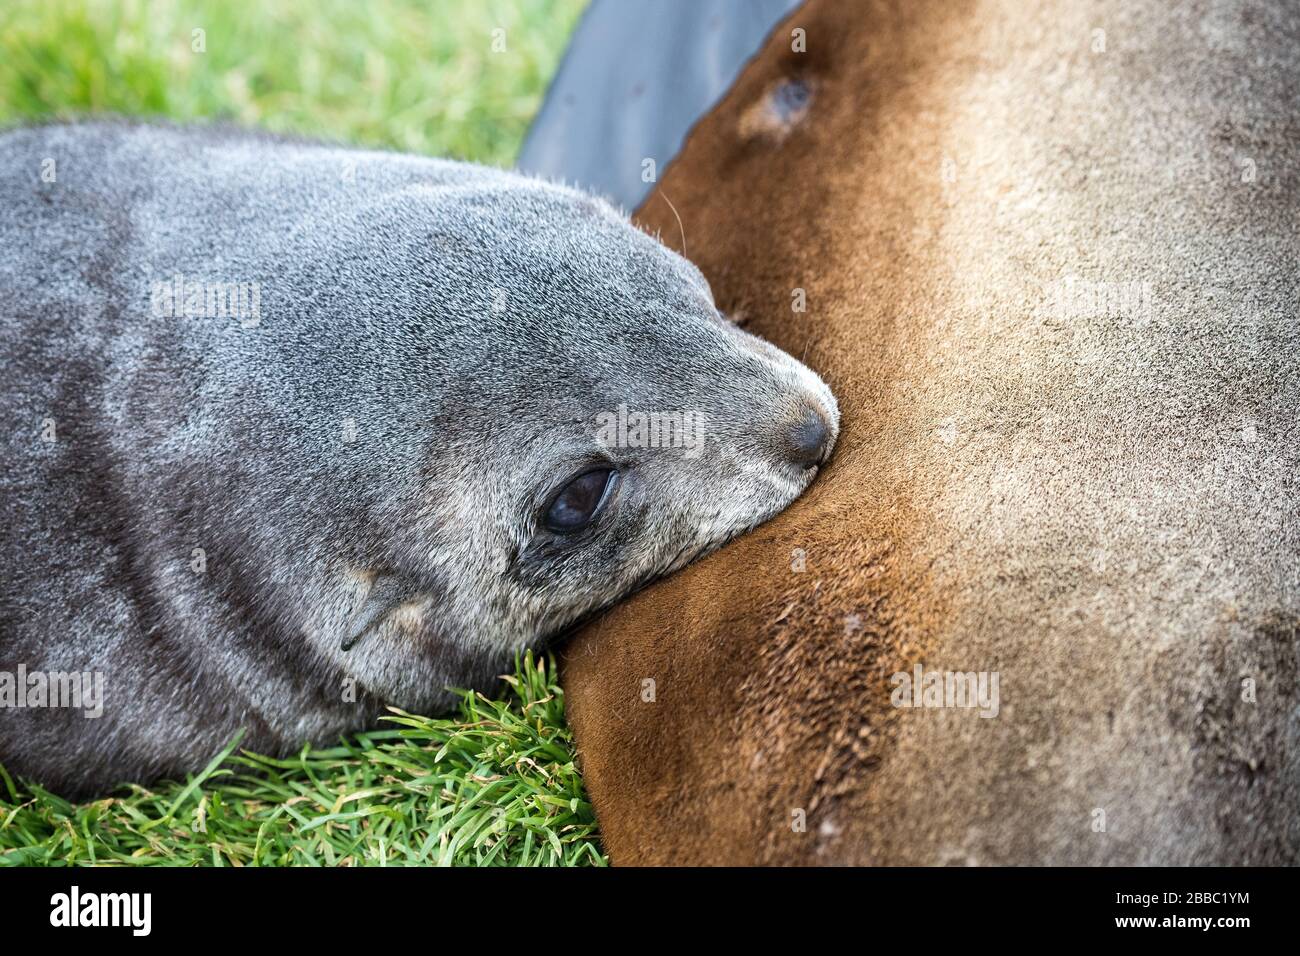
294, 432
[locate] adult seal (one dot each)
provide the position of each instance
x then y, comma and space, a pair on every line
296, 432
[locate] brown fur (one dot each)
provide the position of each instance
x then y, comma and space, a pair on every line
1100, 507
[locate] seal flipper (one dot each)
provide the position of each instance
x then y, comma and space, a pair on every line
386, 593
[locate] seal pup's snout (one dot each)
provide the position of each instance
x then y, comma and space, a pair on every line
803, 418
808, 442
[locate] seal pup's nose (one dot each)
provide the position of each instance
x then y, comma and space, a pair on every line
808, 440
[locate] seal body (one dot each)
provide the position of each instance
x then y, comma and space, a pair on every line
290, 427
1056, 292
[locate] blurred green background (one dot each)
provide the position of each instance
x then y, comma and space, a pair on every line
417, 75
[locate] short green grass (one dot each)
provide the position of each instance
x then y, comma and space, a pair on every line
428, 76
495, 783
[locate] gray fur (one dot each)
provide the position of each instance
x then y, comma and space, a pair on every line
364, 465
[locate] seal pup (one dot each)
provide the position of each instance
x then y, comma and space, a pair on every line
298, 431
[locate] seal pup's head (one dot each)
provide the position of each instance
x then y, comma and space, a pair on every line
587, 421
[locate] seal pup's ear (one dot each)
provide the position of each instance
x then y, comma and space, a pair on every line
387, 592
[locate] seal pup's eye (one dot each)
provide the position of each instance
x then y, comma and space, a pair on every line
578, 502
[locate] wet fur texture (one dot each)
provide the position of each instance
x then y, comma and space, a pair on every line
226, 505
